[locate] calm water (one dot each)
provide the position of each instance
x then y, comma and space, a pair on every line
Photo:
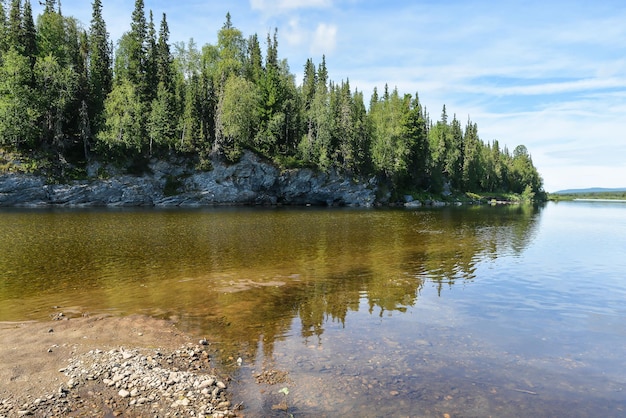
505, 311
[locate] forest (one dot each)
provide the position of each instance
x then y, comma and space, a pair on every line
69, 95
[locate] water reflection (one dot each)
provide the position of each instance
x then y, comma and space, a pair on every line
476, 311
243, 275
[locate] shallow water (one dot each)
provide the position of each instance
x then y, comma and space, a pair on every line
473, 311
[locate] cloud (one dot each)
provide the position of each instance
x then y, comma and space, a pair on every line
272, 7
324, 39
549, 87
295, 34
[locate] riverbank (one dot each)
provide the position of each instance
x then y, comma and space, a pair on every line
250, 181
107, 366
178, 183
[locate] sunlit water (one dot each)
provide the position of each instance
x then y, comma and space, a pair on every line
473, 311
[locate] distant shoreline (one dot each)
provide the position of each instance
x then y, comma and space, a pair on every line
599, 200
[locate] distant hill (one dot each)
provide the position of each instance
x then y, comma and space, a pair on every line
591, 190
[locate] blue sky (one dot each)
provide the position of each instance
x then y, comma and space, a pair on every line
547, 74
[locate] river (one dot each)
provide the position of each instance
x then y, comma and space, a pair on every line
508, 311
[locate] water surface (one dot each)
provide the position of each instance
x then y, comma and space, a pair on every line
473, 311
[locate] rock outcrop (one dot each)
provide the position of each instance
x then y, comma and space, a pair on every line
251, 181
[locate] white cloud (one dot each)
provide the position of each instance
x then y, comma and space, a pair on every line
549, 88
295, 34
269, 6
324, 39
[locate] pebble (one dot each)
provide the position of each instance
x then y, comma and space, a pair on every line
141, 382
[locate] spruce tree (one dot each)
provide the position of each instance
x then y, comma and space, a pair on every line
473, 167
165, 71
162, 119
4, 47
137, 47
271, 59
14, 31
308, 84
322, 76
415, 128
49, 6
29, 34
53, 38
151, 81
254, 68
100, 71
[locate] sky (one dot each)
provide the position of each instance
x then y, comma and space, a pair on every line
550, 75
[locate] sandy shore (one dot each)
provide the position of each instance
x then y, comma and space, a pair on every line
34, 360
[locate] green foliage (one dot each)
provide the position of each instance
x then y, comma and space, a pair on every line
232, 50
61, 93
19, 109
58, 91
162, 119
3, 30
392, 145
123, 113
100, 73
236, 116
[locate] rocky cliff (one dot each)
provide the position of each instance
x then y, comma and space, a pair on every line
251, 181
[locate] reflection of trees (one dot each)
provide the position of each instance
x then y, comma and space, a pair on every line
382, 261
326, 263
475, 233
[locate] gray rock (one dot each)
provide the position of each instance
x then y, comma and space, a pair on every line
251, 181
22, 190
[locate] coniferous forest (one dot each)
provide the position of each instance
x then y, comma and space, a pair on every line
70, 95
